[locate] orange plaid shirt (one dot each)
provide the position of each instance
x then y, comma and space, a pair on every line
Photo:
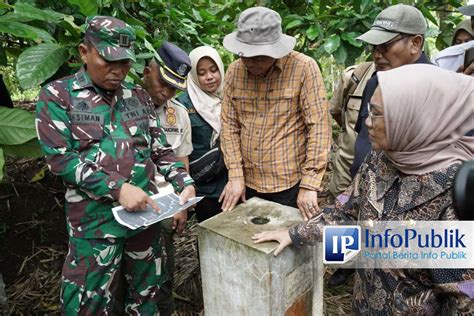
276, 130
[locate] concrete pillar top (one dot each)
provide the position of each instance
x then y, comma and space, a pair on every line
254, 216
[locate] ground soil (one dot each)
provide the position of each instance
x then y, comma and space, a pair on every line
31, 215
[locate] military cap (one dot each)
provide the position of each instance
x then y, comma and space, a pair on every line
112, 37
174, 65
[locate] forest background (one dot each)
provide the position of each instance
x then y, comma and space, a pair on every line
39, 39
38, 43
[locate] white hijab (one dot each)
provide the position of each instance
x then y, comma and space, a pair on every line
206, 104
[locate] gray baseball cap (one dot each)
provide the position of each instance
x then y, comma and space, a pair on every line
467, 10
259, 33
396, 19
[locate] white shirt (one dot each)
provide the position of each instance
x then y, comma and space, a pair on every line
174, 120
452, 57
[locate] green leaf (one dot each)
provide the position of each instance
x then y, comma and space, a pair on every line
332, 44
4, 5
428, 15
29, 11
432, 32
86, 7
13, 17
294, 24
17, 126
350, 37
30, 149
25, 31
3, 57
38, 63
144, 56
197, 15
340, 55
312, 32
2, 163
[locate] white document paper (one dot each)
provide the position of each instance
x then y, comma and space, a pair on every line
169, 205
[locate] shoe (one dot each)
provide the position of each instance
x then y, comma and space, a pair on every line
340, 277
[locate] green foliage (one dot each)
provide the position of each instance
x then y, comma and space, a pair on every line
38, 63
17, 135
323, 28
40, 37
2, 163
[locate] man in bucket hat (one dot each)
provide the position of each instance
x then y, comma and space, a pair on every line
275, 121
99, 134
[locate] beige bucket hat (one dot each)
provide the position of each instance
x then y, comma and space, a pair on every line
259, 33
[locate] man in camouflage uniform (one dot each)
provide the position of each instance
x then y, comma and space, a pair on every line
99, 134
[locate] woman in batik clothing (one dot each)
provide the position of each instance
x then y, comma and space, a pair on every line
419, 115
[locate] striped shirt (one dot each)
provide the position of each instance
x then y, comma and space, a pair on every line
276, 130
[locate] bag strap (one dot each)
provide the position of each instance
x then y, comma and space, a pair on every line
358, 73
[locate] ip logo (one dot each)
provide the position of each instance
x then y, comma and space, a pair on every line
341, 243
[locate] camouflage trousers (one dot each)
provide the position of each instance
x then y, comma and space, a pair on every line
91, 274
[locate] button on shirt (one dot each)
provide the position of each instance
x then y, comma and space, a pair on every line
275, 130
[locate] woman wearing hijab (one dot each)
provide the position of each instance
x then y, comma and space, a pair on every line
417, 120
462, 33
203, 102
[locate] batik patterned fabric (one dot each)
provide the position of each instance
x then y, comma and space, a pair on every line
381, 193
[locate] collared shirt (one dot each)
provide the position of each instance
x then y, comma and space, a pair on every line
96, 141
276, 130
174, 120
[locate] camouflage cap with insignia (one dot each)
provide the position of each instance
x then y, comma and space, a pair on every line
174, 64
112, 37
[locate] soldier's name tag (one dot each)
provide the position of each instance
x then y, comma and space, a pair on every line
86, 117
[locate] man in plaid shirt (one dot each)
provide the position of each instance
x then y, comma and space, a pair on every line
275, 122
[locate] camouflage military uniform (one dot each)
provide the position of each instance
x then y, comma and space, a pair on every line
96, 141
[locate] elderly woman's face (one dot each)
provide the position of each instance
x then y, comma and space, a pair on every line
208, 74
375, 122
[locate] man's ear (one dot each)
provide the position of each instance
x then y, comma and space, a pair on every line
146, 75
146, 71
84, 51
417, 42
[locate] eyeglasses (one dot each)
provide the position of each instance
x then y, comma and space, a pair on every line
383, 48
371, 114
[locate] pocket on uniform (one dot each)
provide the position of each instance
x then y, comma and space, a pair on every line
139, 130
352, 110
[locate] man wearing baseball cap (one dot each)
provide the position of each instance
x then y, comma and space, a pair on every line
275, 122
99, 135
165, 74
395, 39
